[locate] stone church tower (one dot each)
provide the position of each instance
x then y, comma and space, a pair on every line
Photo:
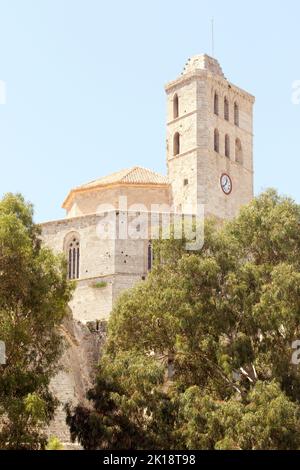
209, 164
209, 140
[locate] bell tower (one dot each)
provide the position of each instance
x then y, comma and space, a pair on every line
209, 140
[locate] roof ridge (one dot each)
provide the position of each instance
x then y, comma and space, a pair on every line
130, 170
100, 177
141, 168
148, 169
128, 175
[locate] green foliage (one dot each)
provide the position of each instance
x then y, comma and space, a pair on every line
223, 319
35, 408
129, 405
264, 419
99, 285
54, 444
34, 294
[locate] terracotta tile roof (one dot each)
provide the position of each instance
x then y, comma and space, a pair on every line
135, 175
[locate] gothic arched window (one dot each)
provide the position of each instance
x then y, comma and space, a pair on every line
72, 248
236, 114
176, 144
238, 151
226, 109
150, 256
175, 107
216, 141
227, 146
216, 104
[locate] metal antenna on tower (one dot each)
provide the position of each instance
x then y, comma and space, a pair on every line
212, 38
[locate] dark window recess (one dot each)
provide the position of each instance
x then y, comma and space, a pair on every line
73, 259
150, 256
175, 107
216, 104
226, 109
227, 146
185, 181
216, 141
236, 114
176, 144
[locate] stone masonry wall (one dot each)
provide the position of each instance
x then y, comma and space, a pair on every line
78, 362
97, 264
195, 172
94, 201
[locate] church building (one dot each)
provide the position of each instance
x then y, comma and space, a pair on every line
106, 234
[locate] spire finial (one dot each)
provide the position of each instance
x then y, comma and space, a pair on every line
212, 38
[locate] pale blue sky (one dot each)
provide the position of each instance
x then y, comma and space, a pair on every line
81, 72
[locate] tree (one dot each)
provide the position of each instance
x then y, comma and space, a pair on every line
223, 320
54, 444
129, 406
34, 293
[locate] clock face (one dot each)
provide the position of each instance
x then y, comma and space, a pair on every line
226, 183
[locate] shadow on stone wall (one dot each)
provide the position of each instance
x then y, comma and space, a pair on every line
83, 344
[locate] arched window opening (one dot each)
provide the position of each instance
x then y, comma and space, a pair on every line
227, 146
226, 109
175, 107
73, 254
238, 151
236, 115
176, 144
216, 141
216, 104
150, 256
